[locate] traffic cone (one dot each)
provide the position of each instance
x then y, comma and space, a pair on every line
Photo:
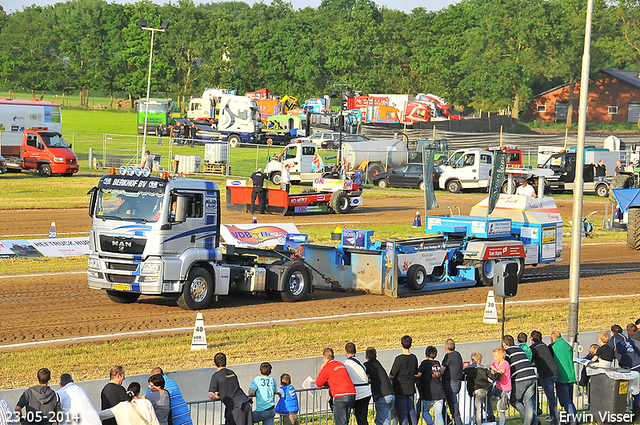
255, 220
52, 231
416, 221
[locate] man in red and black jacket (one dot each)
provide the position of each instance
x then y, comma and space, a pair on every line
342, 391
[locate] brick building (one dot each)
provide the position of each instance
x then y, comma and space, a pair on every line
614, 96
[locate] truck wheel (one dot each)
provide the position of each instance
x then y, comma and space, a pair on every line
505, 188
382, 183
454, 186
602, 190
197, 291
44, 170
372, 171
276, 178
421, 185
520, 268
123, 297
296, 283
486, 270
633, 229
339, 202
234, 140
416, 277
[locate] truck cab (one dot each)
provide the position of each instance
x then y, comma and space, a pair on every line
159, 236
467, 169
235, 117
306, 164
45, 151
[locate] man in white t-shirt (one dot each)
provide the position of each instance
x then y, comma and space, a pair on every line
526, 190
286, 178
358, 375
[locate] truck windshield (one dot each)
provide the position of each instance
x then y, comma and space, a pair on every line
125, 205
53, 140
255, 114
154, 107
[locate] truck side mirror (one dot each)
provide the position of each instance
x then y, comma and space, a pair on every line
92, 202
182, 204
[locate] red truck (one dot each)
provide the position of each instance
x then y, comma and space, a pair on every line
43, 150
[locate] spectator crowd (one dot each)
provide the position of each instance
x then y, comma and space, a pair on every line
519, 367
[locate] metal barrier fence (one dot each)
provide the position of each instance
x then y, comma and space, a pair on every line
243, 161
115, 150
314, 408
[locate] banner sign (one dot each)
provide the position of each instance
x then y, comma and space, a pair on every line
428, 156
62, 247
256, 235
497, 177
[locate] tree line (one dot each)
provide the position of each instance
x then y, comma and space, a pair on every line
485, 55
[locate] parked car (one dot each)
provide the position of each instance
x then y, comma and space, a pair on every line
334, 144
323, 136
406, 175
3, 165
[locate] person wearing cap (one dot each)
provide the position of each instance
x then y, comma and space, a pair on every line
286, 178
526, 189
258, 191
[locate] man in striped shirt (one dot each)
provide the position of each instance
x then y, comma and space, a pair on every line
523, 380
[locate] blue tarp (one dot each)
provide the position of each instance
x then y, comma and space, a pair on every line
627, 198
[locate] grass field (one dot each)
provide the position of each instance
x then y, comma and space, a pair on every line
29, 191
90, 360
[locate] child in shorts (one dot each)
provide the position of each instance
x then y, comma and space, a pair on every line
287, 406
502, 390
264, 388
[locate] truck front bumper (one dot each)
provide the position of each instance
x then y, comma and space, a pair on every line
143, 277
64, 168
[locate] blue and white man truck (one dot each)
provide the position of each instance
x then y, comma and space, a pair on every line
223, 116
161, 236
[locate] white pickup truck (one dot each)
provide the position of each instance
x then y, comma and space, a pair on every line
304, 159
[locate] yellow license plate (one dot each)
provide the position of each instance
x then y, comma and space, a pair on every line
120, 287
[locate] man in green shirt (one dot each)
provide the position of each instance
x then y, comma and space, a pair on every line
563, 355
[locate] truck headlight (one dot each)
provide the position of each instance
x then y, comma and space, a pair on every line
151, 268
58, 159
93, 263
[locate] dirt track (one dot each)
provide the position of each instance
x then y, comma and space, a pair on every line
56, 306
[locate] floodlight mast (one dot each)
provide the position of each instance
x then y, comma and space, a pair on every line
143, 25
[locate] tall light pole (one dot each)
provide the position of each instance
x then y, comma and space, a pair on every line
143, 25
576, 231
